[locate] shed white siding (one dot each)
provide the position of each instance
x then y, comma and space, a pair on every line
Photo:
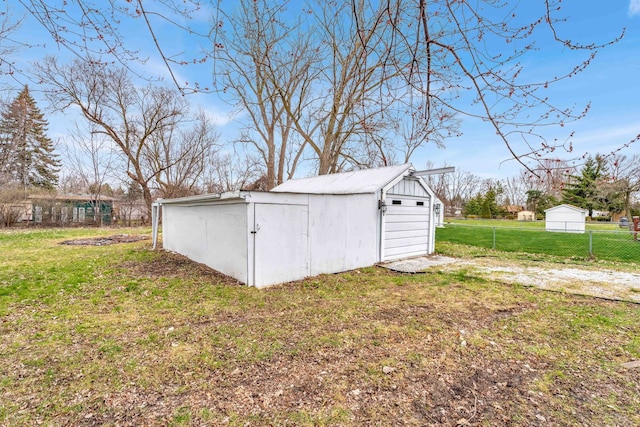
215, 237
344, 232
409, 187
565, 219
344, 221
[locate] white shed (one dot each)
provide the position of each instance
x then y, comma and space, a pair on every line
304, 227
566, 219
526, 216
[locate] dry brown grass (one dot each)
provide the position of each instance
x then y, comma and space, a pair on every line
150, 338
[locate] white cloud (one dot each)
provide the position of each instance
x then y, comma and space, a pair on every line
218, 118
634, 7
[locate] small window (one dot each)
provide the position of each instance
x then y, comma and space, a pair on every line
396, 202
420, 203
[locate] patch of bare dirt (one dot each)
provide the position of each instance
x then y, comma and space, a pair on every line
103, 241
171, 264
593, 281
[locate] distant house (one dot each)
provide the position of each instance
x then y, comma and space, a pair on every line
526, 216
513, 209
14, 212
565, 219
70, 208
599, 214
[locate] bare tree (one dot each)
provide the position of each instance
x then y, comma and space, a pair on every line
140, 122
454, 189
312, 86
92, 157
8, 45
71, 182
625, 175
13, 206
438, 61
230, 172
550, 177
181, 157
515, 190
262, 63
92, 29
467, 58
365, 109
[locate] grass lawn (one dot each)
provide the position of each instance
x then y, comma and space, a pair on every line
123, 335
590, 225
612, 245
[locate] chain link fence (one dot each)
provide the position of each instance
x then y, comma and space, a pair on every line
616, 244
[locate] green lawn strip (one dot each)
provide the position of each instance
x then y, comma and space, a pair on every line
590, 225
610, 246
150, 338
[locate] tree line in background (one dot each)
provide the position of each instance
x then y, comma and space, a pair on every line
141, 135
605, 186
344, 85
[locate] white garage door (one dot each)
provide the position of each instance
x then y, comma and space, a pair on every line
406, 227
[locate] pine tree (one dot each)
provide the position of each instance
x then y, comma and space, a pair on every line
582, 190
489, 204
27, 155
474, 205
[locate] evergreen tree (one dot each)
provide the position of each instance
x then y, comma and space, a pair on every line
134, 192
26, 153
489, 204
582, 190
538, 202
474, 205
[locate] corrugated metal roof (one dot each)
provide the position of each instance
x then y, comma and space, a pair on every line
355, 182
230, 195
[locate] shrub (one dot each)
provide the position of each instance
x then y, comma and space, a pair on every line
11, 205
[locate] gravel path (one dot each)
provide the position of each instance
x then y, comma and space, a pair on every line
602, 283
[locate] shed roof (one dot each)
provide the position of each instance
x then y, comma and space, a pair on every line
229, 195
575, 208
73, 197
354, 182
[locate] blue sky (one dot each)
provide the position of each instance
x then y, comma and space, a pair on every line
611, 84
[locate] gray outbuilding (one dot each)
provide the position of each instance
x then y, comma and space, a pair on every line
304, 227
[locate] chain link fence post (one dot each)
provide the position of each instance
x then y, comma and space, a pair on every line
494, 238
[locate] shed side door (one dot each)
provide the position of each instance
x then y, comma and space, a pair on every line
281, 243
406, 226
